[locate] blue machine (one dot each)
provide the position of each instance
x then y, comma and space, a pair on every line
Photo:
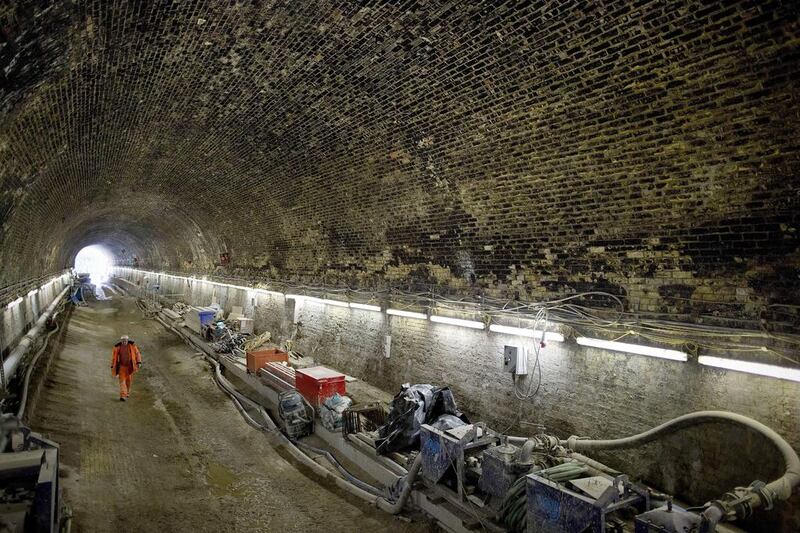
555, 508
446, 453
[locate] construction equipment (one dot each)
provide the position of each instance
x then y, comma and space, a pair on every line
30, 499
295, 414
197, 317
473, 477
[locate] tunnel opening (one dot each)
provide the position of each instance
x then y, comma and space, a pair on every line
96, 261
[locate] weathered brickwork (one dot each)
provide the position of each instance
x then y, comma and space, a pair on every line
512, 149
587, 392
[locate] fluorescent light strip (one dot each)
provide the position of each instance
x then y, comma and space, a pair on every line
34, 291
772, 371
524, 332
324, 301
13, 303
407, 314
673, 355
365, 307
270, 293
337, 303
457, 322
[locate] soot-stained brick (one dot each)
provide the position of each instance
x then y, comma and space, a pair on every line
501, 149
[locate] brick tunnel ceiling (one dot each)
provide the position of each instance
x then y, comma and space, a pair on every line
514, 149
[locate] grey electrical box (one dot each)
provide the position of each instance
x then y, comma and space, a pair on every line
515, 360
510, 358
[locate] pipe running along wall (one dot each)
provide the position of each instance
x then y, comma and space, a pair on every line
13, 360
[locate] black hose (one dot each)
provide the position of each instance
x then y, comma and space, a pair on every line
23, 402
363, 485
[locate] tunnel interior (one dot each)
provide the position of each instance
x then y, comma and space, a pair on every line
618, 171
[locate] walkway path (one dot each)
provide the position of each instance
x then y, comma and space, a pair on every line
177, 456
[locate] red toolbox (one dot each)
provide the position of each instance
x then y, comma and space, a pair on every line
259, 358
318, 383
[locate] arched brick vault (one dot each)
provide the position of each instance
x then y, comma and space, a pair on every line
515, 149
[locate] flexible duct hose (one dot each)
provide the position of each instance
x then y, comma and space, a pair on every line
342, 470
270, 427
780, 488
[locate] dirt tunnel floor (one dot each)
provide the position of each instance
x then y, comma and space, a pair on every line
177, 456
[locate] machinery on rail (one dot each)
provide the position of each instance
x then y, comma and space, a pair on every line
421, 453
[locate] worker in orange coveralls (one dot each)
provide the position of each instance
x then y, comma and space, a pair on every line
125, 361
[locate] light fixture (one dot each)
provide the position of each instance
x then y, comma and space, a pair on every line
457, 322
295, 297
34, 291
239, 287
524, 332
365, 307
13, 303
673, 355
337, 303
407, 314
270, 293
772, 371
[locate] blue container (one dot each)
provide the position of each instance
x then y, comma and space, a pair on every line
206, 317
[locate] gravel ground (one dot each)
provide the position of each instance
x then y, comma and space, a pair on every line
177, 456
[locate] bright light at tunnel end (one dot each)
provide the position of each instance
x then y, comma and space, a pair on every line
96, 261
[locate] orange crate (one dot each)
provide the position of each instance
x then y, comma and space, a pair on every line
259, 358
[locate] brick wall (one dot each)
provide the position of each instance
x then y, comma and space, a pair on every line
510, 149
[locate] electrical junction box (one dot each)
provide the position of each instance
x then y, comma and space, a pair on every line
515, 360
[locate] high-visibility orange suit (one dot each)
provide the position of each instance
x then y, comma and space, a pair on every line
125, 361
